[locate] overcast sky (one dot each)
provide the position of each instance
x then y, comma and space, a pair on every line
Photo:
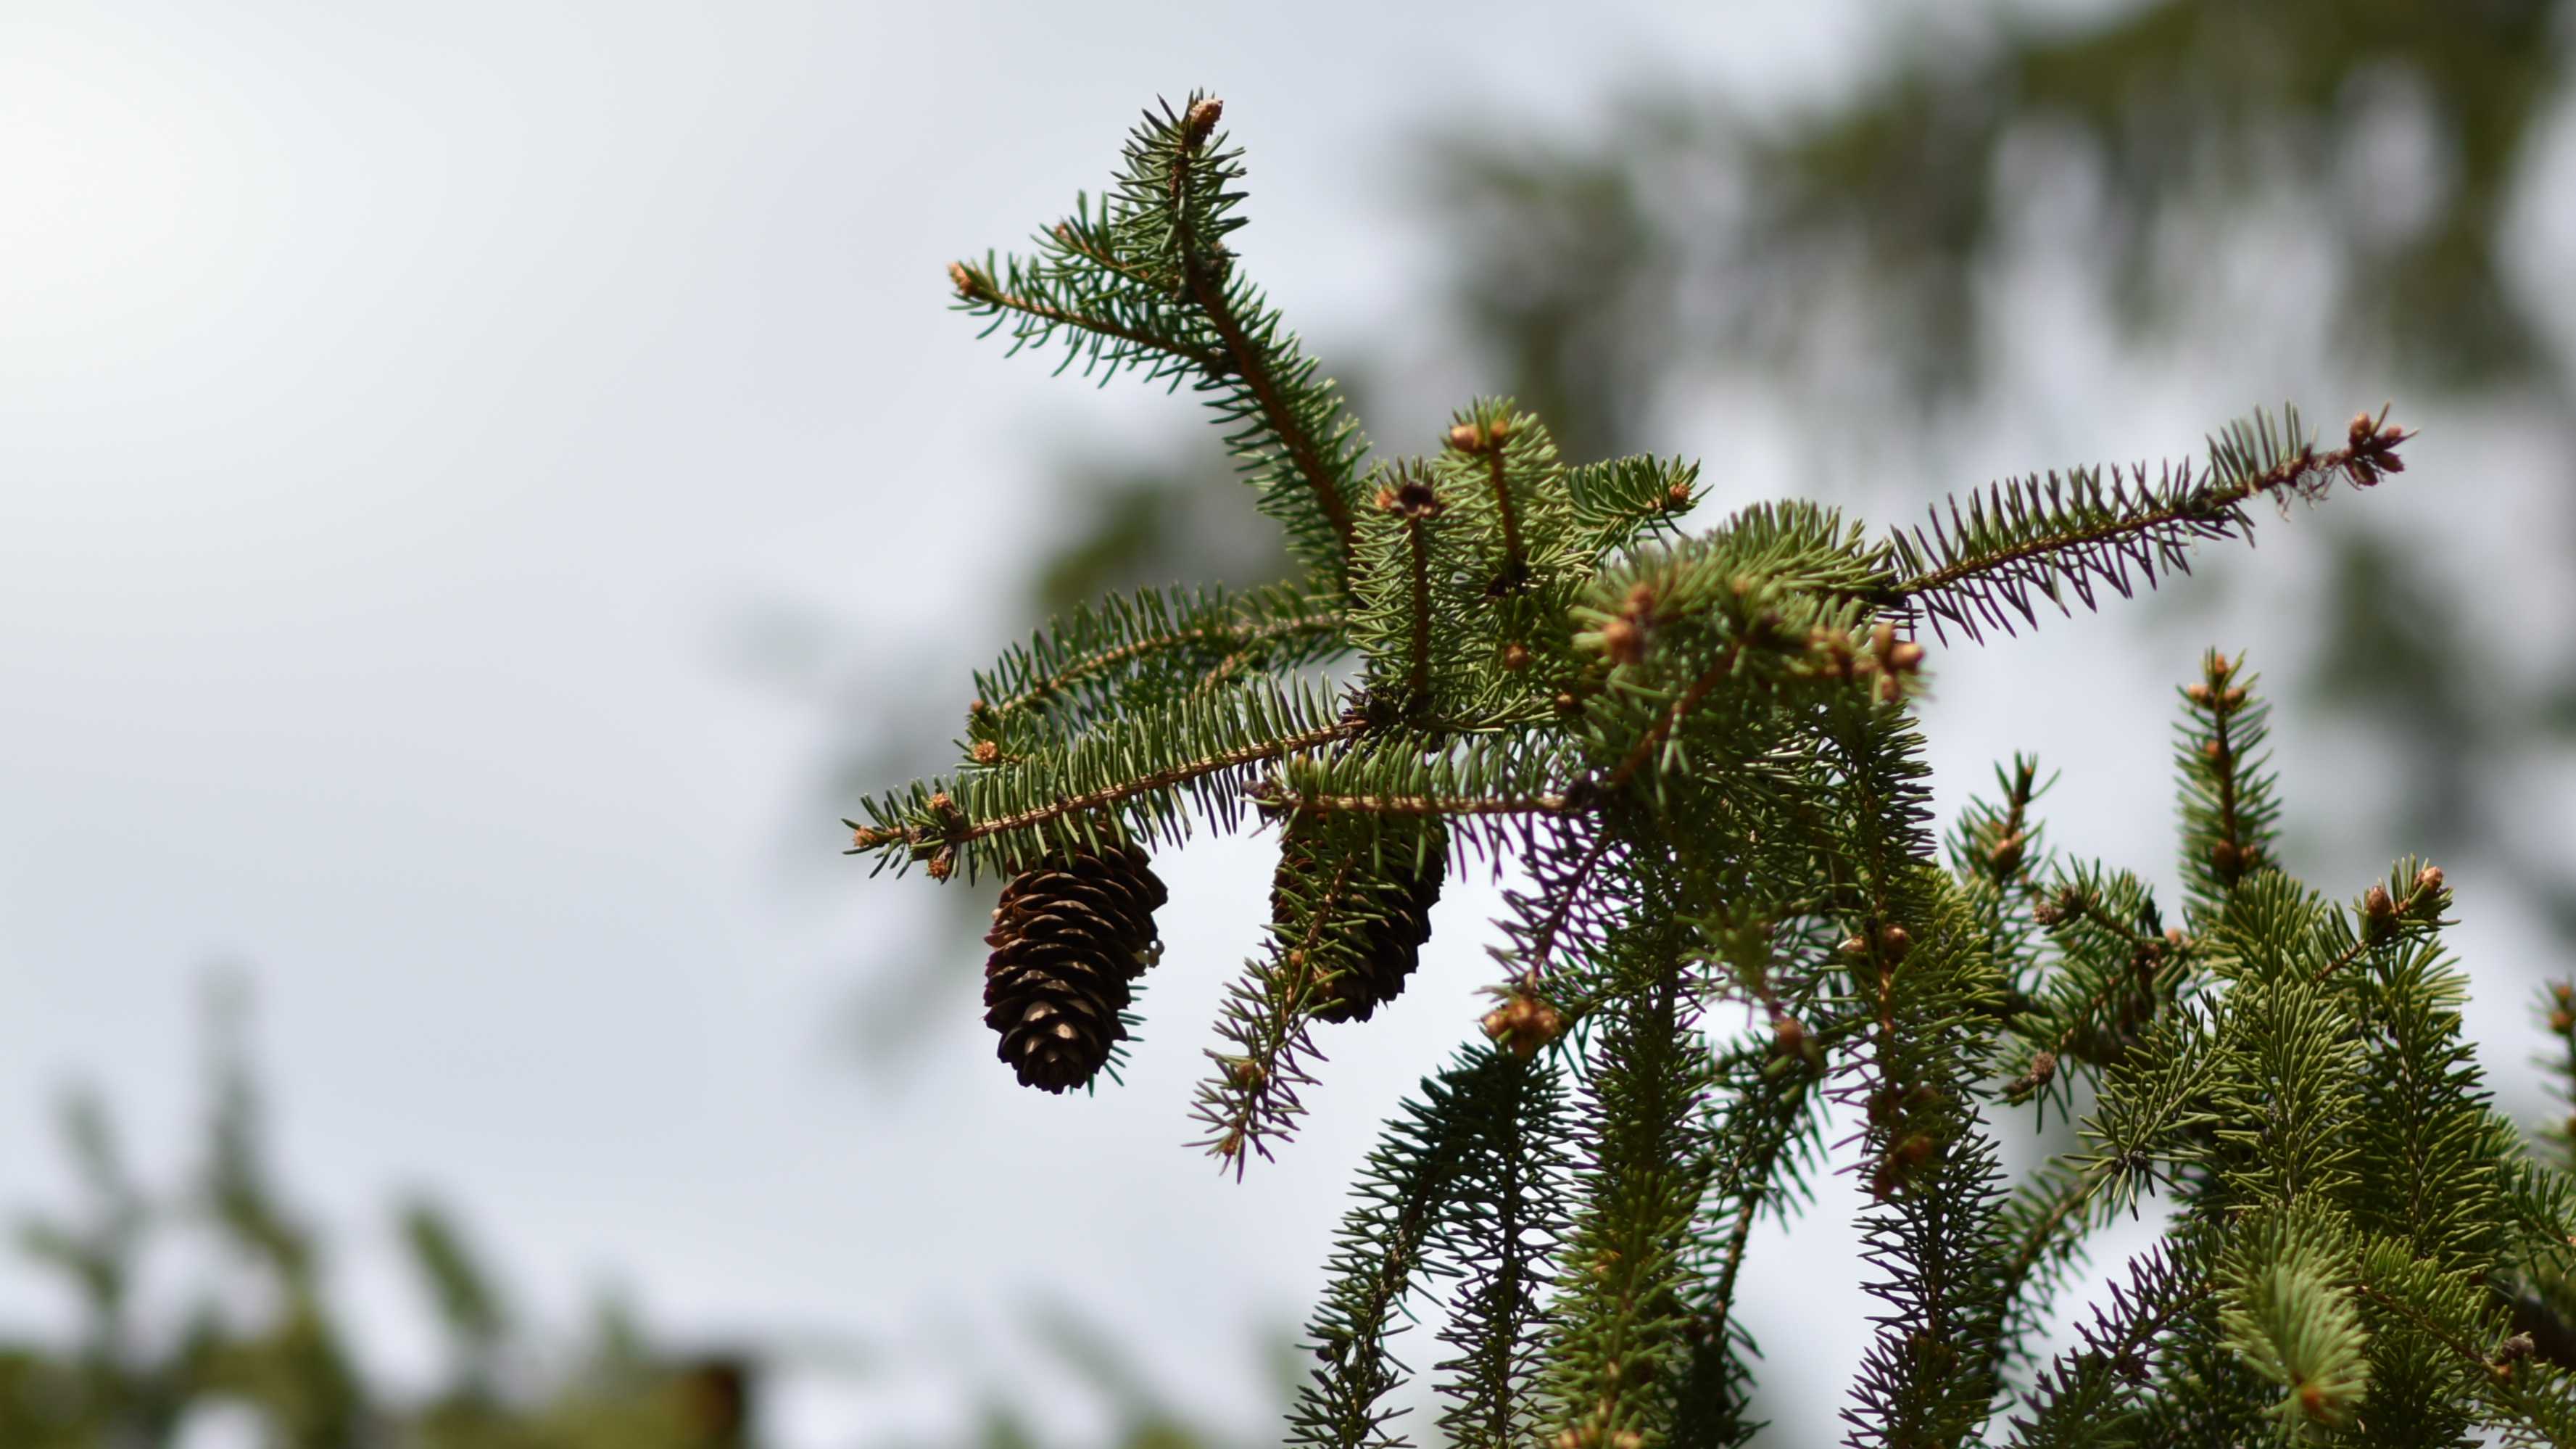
401, 406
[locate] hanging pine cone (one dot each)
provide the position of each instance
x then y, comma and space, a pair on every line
1068, 938
1387, 912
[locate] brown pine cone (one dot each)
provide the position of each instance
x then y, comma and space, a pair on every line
1068, 938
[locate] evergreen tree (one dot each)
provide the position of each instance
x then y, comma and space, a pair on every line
1698, 756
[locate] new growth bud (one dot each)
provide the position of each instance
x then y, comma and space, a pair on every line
2378, 913
1623, 641
1523, 1023
1202, 118
2005, 858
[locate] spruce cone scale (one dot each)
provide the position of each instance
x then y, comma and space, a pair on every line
1069, 938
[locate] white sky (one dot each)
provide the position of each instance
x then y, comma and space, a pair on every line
396, 404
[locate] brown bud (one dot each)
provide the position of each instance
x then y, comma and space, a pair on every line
1523, 1024
1411, 498
1623, 641
1677, 497
2363, 425
1905, 658
2215, 752
2234, 698
1247, 1073
2226, 859
2425, 902
1893, 943
2005, 858
2562, 992
2200, 694
1882, 639
1855, 946
2043, 1069
2561, 1022
2174, 937
1788, 1035
1500, 429
1516, 656
962, 278
867, 837
1467, 438
986, 752
1567, 703
940, 804
944, 864
1201, 119
2378, 912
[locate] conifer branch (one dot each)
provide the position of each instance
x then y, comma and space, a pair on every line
1204, 269
1164, 639
980, 291
1619, 1324
1444, 806
1164, 778
2087, 1399
1504, 1222
2230, 817
2032, 535
1253, 1098
1377, 1259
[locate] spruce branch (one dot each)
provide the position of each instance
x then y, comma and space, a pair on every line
2230, 816
1405, 1187
2071, 533
1503, 1225
2087, 1398
1134, 650
1033, 302
1620, 1323
1252, 1100
1289, 404
1139, 769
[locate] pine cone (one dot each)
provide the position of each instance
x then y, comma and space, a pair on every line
1068, 937
1387, 916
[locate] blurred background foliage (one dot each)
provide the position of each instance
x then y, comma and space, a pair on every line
243, 1344
1847, 256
